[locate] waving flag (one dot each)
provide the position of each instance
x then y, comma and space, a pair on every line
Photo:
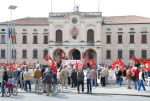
147, 66
9, 29
119, 63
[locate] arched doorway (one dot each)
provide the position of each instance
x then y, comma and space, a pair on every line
58, 55
75, 54
91, 53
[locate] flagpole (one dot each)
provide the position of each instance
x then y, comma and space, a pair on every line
51, 6
98, 5
74, 5
11, 7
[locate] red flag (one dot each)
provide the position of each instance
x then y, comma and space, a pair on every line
63, 55
13, 66
47, 58
119, 63
147, 65
92, 62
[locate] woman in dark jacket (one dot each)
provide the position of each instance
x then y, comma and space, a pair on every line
5, 79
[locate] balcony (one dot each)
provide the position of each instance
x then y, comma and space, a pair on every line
72, 44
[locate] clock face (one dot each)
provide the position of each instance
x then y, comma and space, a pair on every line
74, 20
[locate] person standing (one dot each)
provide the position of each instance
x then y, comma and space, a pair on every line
136, 77
89, 78
22, 79
80, 80
27, 79
94, 77
74, 78
37, 76
116, 73
128, 77
4, 80
141, 80
16, 75
64, 77
48, 79
103, 75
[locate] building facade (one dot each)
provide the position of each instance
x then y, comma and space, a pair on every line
75, 34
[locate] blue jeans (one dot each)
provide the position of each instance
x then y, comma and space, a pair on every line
141, 84
106, 79
89, 87
3, 88
27, 82
136, 84
120, 79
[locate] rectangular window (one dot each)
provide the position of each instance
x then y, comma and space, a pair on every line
45, 39
34, 30
120, 29
45, 30
108, 54
24, 30
131, 39
14, 54
3, 39
2, 30
119, 39
24, 54
35, 39
45, 52
35, 54
131, 29
144, 39
120, 54
108, 39
144, 54
131, 52
3, 54
24, 39
108, 29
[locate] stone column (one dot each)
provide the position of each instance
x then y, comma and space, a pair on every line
66, 34
51, 31
98, 52
83, 34
98, 31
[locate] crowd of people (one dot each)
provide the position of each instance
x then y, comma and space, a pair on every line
67, 75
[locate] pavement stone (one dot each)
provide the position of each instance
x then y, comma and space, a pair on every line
107, 90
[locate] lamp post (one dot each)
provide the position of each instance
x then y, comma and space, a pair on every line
11, 7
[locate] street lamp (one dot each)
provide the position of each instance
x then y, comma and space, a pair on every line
11, 7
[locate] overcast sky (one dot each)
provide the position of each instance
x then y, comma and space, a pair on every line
41, 8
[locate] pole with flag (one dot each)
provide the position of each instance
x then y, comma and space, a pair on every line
11, 33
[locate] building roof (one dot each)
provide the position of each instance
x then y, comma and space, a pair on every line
125, 20
106, 20
29, 21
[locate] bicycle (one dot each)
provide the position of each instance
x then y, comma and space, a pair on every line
54, 90
11, 90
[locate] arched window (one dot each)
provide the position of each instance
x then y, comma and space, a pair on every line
90, 36
24, 39
58, 36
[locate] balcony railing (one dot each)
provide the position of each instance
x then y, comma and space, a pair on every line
71, 44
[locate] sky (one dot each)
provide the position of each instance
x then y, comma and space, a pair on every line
41, 8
